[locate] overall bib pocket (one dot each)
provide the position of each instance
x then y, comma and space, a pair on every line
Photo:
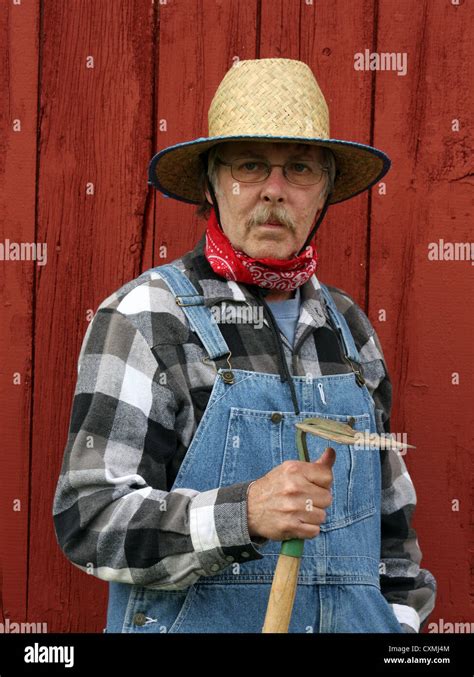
257, 441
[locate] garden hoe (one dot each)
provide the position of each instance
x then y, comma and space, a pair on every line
283, 590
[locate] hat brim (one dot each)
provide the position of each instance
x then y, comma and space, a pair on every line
175, 170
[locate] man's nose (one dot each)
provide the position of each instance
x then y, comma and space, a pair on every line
274, 188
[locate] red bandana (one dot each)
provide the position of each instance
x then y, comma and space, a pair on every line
233, 264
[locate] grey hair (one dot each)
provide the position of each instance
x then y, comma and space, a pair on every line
329, 162
204, 207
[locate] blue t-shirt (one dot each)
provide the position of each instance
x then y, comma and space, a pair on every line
286, 314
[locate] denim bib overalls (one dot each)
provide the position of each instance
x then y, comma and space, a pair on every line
248, 428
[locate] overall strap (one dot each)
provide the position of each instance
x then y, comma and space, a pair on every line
351, 353
199, 316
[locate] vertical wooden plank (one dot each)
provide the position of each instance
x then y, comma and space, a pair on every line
95, 129
18, 89
199, 41
331, 34
280, 29
428, 331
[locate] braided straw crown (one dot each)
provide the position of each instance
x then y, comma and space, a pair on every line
276, 100
275, 97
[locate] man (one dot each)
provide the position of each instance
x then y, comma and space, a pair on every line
181, 475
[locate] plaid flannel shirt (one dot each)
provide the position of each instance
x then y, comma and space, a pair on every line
141, 391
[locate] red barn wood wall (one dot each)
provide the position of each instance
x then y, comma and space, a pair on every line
90, 90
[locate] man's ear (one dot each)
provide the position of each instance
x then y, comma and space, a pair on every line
208, 196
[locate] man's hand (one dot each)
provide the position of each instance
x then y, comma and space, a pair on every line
289, 501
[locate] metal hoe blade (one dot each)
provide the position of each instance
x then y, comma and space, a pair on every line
343, 433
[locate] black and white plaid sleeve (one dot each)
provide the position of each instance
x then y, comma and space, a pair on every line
112, 514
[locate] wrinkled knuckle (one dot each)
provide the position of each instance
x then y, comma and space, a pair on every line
291, 467
328, 477
286, 505
327, 500
287, 530
289, 488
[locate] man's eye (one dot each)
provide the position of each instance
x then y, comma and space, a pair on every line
299, 167
249, 166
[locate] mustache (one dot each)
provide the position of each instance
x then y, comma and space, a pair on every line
265, 214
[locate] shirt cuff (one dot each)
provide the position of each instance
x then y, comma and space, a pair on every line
219, 529
256, 540
406, 616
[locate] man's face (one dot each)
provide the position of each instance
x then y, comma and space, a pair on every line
247, 208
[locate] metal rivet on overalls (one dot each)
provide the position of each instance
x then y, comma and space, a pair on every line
351, 420
228, 376
245, 554
229, 558
139, 619
215, 567
276, 418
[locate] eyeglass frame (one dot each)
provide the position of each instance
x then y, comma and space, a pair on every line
323, 169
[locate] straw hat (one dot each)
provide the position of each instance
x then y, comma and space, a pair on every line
275, 100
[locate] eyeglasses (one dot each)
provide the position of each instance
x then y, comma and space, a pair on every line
300, 173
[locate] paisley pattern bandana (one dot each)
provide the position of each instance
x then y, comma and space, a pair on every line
233, 264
